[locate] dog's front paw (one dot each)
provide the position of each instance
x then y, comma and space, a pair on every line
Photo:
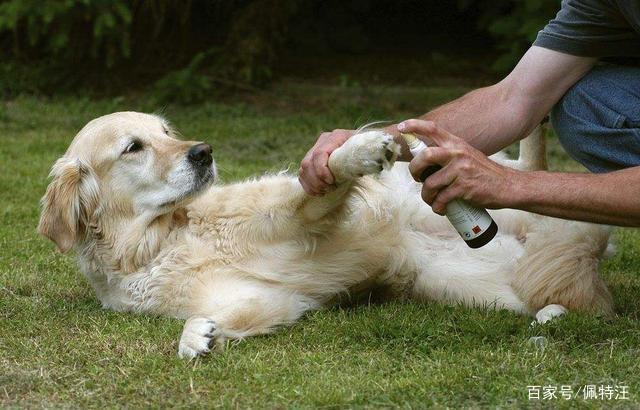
363, 154
198, 337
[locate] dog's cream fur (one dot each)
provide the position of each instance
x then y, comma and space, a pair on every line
242, 259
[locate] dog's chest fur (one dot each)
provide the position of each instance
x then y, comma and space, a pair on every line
256, 228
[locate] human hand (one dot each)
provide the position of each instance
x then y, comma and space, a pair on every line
314, 174
466, 173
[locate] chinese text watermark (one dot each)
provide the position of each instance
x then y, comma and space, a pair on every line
585, 392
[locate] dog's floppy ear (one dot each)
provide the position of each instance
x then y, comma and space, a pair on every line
69, 202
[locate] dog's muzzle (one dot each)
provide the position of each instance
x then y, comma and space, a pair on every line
201, 160
200, 155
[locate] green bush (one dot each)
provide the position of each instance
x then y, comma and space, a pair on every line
514, 24
184, 86
121, 43
68, 30
185, 47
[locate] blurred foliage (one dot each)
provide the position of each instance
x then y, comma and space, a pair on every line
63, 44
514, 24
190, 49
68, 29
256, 39
184, 86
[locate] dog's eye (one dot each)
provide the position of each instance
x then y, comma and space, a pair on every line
134, 146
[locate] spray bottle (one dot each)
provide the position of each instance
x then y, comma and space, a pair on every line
474, 225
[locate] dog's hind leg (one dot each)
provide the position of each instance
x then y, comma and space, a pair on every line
549, 312
533, 155
560, 267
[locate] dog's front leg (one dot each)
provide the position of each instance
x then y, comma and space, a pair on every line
363, 154
366, 153
198, 336
232, 308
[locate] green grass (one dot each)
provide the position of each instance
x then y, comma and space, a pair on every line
58, 348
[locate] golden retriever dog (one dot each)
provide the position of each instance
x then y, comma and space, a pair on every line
153, 233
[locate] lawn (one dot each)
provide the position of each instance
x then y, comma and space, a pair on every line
58, 348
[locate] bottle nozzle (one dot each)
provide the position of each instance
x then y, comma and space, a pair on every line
411, 140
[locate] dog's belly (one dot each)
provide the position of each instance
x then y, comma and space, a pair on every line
431, 253
386, 235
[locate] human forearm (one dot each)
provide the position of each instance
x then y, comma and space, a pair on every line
493, 117
601, 198
468, 174
488, 118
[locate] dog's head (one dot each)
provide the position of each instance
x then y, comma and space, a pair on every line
125, 165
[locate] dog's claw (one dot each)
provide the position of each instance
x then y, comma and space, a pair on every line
198, 337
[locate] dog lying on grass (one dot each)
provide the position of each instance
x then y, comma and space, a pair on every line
154, 234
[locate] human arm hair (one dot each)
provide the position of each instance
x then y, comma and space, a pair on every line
489, 118
468, 174
493, 117
610, 198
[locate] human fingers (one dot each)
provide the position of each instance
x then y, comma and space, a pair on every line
315, 176
426, 160
430, 129
445, 196
436, 183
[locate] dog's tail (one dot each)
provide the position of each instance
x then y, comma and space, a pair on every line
533, 150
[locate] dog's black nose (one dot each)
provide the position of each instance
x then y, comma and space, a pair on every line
200, 154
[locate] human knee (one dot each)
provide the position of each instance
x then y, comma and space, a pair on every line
567, 123
582, 119
600, 99
572, 111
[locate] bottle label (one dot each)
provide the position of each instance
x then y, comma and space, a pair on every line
469, 221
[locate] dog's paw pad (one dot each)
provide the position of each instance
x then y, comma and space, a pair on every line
390, 151
198, 337
366, 153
